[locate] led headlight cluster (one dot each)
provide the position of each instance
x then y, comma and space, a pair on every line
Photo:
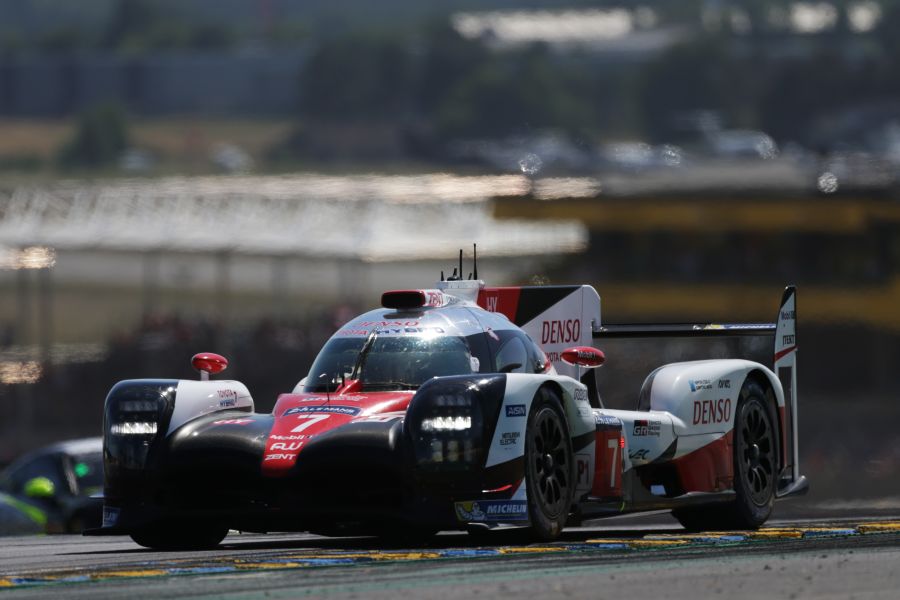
133, 416
457, 423
133, 428
446, 421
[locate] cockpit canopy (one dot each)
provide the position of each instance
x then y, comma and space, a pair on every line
386, 351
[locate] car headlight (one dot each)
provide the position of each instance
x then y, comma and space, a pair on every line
450, 420
135, 411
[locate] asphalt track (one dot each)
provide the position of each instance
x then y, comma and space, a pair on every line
827, 558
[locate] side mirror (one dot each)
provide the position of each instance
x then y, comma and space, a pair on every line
39, 487
208, 362
583, 356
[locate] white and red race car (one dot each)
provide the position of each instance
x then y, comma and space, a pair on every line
457, 407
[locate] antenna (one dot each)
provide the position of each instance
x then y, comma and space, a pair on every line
442, 274
475, 259
460, 263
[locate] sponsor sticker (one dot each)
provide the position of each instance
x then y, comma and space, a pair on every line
378, 418
227, 398
509, 438
232, 422
279, 456
580, 395
288, 438
482, 511
646, 428
707, 412
340, 410
286, 446
560, 332
515, 410
638, 454
607, 420
700, 384
110, 516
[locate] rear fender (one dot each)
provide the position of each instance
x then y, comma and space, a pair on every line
702, 395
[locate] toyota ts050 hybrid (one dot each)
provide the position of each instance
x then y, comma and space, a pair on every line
457, 407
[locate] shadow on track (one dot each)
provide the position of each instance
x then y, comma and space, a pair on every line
450, 539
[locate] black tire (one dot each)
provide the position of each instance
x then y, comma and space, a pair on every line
180, 536
756, 455
549, 466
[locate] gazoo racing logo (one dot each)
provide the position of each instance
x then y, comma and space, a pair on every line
561, 332
707, 412
646, 428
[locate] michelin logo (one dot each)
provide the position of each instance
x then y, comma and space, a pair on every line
483, 511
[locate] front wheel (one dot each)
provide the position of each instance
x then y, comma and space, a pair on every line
549, 466
756, 452
179, 535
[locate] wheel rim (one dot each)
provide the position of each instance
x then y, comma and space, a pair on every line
549, 462
757, 453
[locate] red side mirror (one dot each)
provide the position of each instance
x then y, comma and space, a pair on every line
208, 362
584, 356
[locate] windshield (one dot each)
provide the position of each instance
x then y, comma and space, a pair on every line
383, 363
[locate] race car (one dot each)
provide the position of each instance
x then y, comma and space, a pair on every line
49, 490
460, 406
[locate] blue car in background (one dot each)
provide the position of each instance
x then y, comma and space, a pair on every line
49, 490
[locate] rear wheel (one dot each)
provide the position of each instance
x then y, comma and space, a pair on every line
180, 535
756, 452
549, 466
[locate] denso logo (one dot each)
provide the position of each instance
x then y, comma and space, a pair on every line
712, 411
560, 332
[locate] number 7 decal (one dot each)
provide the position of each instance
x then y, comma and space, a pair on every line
614, 446
310, 420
